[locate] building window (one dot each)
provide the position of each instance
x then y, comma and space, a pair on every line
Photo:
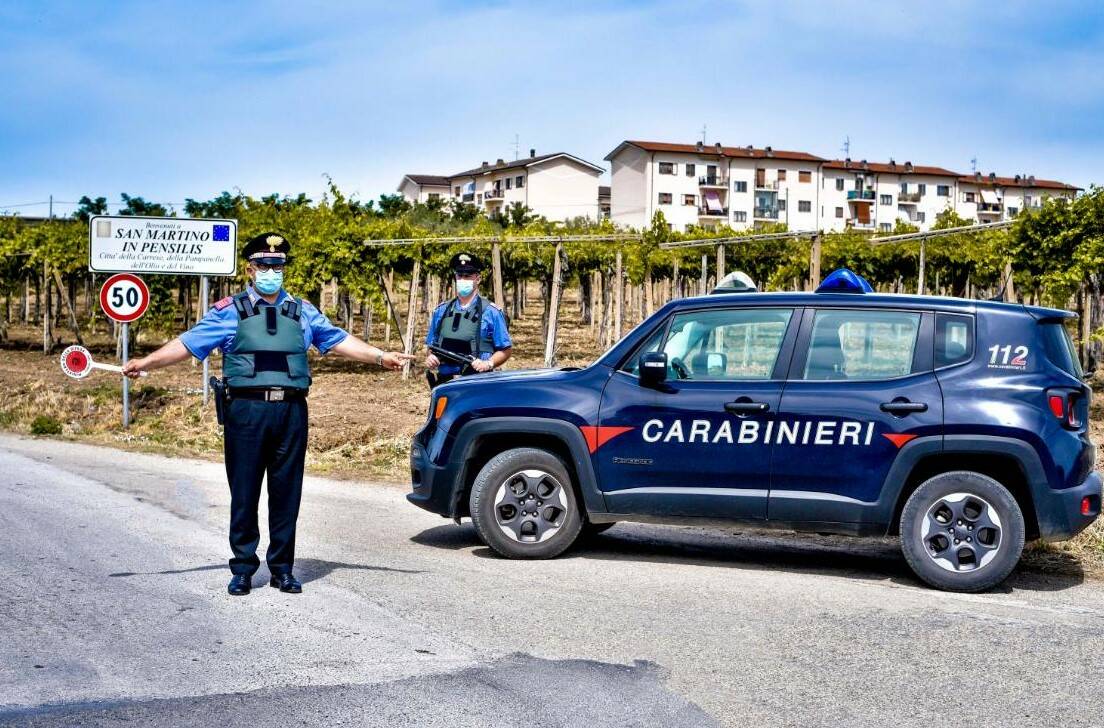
943, 190
781, 205
886, 227
691, 200
969, 196
781, 175
666, 167
804, 206
689, 170
885, 199
671, 226
1012, 211
904, 188
804, 176
839, 210
739, 216
922, 189
839, 184
508, 182
434, 196
456, 191
665, 198
740, 185
921, 217
519, 182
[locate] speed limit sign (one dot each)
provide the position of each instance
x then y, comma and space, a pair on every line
124, 297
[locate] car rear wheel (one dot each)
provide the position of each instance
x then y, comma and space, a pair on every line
962, 531
523, 505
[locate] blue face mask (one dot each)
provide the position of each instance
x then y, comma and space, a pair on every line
269, 281
465, 288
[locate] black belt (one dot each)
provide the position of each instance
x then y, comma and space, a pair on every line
268, 394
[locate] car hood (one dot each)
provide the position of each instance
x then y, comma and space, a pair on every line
517, 375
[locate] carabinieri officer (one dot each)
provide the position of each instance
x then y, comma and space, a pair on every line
264, 334
466, 325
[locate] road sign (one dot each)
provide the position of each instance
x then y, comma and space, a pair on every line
124, 297
169, 245
76, 362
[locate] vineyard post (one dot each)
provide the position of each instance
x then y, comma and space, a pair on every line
920, 274
618, 295
814, 262
704, 274
496, 268
63, 294
1009, 284
47, 314
720, 262
676, 292
411, 314
554, 307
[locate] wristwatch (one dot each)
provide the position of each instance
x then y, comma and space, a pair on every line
379, 359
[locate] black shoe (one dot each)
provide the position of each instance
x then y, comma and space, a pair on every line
240, 585
286, 582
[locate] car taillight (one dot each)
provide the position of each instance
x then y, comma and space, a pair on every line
1063, 405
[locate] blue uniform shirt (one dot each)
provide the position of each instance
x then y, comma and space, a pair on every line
493, 327
217, 329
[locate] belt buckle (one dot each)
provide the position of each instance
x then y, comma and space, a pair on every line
275, 395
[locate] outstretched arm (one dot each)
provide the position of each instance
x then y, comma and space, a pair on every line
170, 353
358, 350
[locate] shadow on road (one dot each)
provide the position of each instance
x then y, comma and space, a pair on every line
866, 559
307, 570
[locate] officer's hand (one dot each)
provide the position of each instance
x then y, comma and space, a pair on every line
395, 359
482, 365
432, 362
134, 368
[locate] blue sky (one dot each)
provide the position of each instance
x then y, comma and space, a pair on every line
176, 100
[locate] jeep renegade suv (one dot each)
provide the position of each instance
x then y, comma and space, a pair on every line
959, 426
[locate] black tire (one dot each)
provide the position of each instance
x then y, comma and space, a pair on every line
546, 516
976, 510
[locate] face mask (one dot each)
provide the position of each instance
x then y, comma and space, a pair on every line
269, 281
465, 288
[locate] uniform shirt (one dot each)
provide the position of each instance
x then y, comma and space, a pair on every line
217, 329
492, 326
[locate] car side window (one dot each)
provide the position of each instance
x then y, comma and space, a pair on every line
865, 344
632, 365
725, 344
954, 339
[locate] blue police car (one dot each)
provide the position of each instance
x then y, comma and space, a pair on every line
959, 426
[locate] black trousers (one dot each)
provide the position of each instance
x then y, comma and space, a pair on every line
264, 437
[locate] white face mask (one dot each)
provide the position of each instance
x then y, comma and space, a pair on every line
465, 288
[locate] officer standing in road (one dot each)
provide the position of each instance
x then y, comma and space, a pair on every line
466, 325
264, 334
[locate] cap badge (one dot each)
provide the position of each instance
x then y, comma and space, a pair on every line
273, 242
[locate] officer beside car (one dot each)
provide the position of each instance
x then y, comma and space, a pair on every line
264, 334
469, 328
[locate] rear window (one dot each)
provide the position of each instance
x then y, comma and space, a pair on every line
954, 339
1060, 349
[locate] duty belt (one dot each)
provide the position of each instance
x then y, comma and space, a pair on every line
268, 394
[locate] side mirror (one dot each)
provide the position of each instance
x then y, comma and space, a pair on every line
653, 368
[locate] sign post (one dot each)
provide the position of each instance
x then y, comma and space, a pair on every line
204, 296
124, 298
178, 246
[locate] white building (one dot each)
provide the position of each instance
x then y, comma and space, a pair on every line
424, 187
710, 185
557, 186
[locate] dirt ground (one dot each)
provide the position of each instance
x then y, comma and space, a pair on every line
361, 419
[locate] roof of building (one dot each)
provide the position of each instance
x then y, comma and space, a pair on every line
718, 149
992, 180
434, 180
523, 162
890, 167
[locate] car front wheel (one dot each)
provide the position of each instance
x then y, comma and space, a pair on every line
523, 505
962, 531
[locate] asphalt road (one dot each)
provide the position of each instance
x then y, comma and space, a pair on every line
113, 609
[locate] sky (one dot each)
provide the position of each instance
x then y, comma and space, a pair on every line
184, 100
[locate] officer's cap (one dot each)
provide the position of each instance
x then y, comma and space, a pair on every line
267, 249
465, 263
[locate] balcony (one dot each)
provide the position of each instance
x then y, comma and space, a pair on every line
860, 195
762, 184
707, 212
908, 198
713, 180
860, 225
493, 195
766, 213
991, 208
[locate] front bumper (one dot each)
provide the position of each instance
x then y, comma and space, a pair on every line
1060, 517
432, 486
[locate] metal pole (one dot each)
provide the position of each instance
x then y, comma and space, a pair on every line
125, 333
204, 294
920, 274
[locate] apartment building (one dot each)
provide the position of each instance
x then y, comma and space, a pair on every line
424, 187
709, 185
557, 186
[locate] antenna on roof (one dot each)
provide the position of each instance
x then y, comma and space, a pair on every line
705, 128
846, 148
517, 141
973, 164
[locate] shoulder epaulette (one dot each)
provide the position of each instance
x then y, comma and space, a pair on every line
219, 305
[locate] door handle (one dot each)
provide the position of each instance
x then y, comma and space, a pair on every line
746, 408
903, 407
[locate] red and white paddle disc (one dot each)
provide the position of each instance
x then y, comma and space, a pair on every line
76, 362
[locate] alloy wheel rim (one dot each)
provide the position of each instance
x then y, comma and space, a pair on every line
530, 506
962, 532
